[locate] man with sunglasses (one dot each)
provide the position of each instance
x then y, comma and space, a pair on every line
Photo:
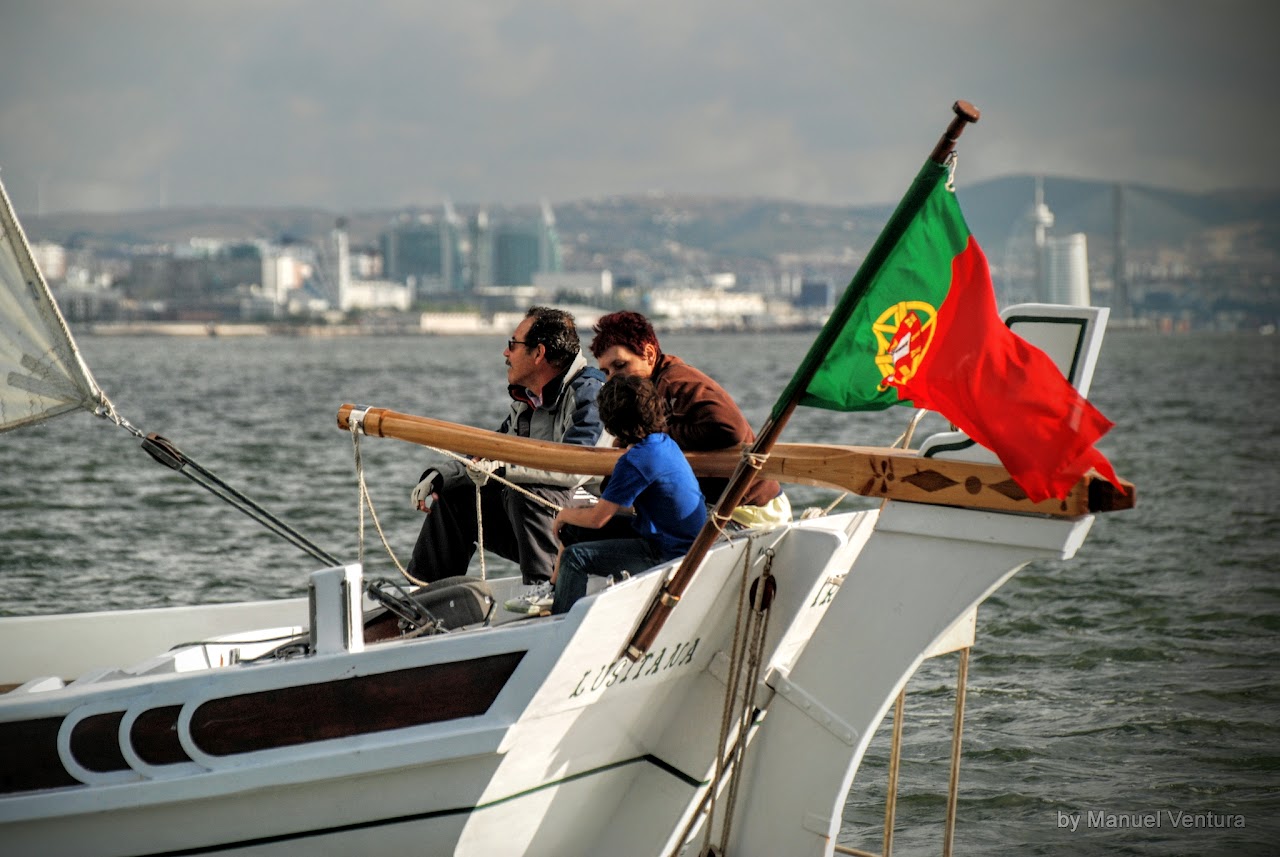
553, 397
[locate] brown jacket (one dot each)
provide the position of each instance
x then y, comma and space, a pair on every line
702, 417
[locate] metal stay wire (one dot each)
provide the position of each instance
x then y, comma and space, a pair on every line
165, 452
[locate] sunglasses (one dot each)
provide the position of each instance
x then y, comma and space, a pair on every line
512, 343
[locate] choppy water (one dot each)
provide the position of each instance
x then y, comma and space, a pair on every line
1136, 680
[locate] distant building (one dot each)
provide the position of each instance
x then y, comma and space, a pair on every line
201, 280
1064, 270
50, 258
376, 294
707, 308
517, 255
352, 293
285, 270
425, 253
816, 294
453, 322
1040, 266
511, 253
588, 284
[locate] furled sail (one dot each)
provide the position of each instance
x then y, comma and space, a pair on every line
41, 372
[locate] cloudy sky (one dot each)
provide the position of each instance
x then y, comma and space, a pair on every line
360, 104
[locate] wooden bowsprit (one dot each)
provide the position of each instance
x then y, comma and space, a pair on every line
876, 472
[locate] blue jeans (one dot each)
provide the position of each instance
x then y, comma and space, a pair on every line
604, 557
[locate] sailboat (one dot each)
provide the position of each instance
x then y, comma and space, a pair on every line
719, 703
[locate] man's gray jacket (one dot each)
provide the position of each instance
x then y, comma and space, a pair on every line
566, 414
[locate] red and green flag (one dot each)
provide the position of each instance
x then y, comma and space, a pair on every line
918, 326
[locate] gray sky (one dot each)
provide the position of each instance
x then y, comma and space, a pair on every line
127, 104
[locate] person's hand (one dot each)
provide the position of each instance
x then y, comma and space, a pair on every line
555, 567
424, 493
480, 469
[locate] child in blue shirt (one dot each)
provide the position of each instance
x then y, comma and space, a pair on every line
652, 479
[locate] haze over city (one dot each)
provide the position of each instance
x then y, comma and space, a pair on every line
348, 106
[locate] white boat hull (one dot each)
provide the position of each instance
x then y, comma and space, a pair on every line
570, 750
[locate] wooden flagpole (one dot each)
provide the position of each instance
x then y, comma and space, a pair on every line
749, 465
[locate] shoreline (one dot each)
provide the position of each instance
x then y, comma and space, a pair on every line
232, 329
242, 329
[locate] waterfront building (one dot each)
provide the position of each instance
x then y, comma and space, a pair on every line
510, 252
707, 308
585, 284
1064, 270
51, 259
425, 253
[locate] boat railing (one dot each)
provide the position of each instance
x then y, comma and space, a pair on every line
959, 638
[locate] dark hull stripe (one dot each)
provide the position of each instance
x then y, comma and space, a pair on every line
341, 708
261, 720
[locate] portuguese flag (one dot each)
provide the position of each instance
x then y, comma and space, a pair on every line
918, 326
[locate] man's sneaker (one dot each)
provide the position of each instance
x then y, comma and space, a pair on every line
535, 602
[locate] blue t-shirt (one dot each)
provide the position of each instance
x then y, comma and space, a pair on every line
654, 478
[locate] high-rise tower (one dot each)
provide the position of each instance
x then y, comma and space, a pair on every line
1120, 275
1041, 221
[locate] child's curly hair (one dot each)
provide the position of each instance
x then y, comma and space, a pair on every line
631, 408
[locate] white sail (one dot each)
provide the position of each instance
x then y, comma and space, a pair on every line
41, 372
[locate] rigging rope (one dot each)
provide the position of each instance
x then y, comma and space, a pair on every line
749, 633
365, 498
731, 691
355, 426
758, 629
480, 476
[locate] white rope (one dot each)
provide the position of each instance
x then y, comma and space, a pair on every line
758, 628
366, 500
952, 160
484, 569
731, 691
749, 634
469, 463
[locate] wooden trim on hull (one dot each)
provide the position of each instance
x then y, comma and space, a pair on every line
29, 756
155, 736
356, 706
96, 745
249, 722
881, 473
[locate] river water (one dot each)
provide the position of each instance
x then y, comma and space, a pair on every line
1123, 702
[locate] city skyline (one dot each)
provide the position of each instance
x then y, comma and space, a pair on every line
140, 104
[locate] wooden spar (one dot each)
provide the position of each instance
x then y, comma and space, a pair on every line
746, 471
880, 473
482, 443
